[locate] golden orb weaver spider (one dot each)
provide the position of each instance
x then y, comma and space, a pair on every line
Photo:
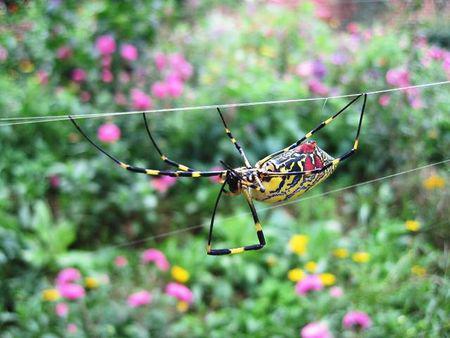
283, 175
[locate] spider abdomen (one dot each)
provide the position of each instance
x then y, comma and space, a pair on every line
306, 157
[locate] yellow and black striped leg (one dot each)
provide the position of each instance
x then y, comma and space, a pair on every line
259, 232
163, 157
234, 141
151, 172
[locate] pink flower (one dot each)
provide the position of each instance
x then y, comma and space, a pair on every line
120, 99
72, 328
398, 77
106, 44
3, 53
160, 90
336, 292
108, 133
139, 298
129, 52
71, 291
384, 100
55, 181
315, 330
140, 99
67, 275
120, 261
160, 61
215, 179
106, 60
307, 284
304, 69
317, 87
78, 75
62, 309
174, 87
85, 96
42, 76
156, 256
107, 75
64, 52
435, 53
180, 291
353, 28
357, 320
162, 184
322, 10
124, 77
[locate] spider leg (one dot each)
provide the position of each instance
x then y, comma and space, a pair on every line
318, 127
234, 141
163, 157
259, 232
151, 172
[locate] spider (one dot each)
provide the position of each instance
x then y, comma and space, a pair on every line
283, 175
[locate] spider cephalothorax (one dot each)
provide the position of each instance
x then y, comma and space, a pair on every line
283, 175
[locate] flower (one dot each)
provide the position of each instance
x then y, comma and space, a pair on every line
156, 256
42, 77
72, 328
361, 257
162, 184
180, 291
108, 133
54, 181
139, 298
298, 244
107, 75
140, 100
336, 292
50, 295
307, 284
160, 61
120, 261
64, 52
315, 330
318, 69
67, 275
434, 182
106, 44
182, 306
91, 283
311, 266
412, 225
71, 291
398, 77
356, 320
174, 87
179, 274
106, 61
85, 96
61, 309
327, 279
384, 100
317, 87
296, 275
304, 69
418, 270
3, 54
340, 253
160, 90
129, 52
78, 75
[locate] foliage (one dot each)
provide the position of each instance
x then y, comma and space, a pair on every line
64, 205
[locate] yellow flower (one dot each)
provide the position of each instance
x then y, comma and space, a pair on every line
412, 225
180, 274
26, 66
361, 257
340, 253
327, 278
418, 270
434, 182
268, 51
182, 306
298, 244
271, 260
50, 295
311, 266
91, 283
296, 275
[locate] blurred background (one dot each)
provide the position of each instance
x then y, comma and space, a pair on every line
90, 250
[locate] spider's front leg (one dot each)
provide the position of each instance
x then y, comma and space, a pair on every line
258, 228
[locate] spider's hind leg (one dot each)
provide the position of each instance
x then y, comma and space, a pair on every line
164, 157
